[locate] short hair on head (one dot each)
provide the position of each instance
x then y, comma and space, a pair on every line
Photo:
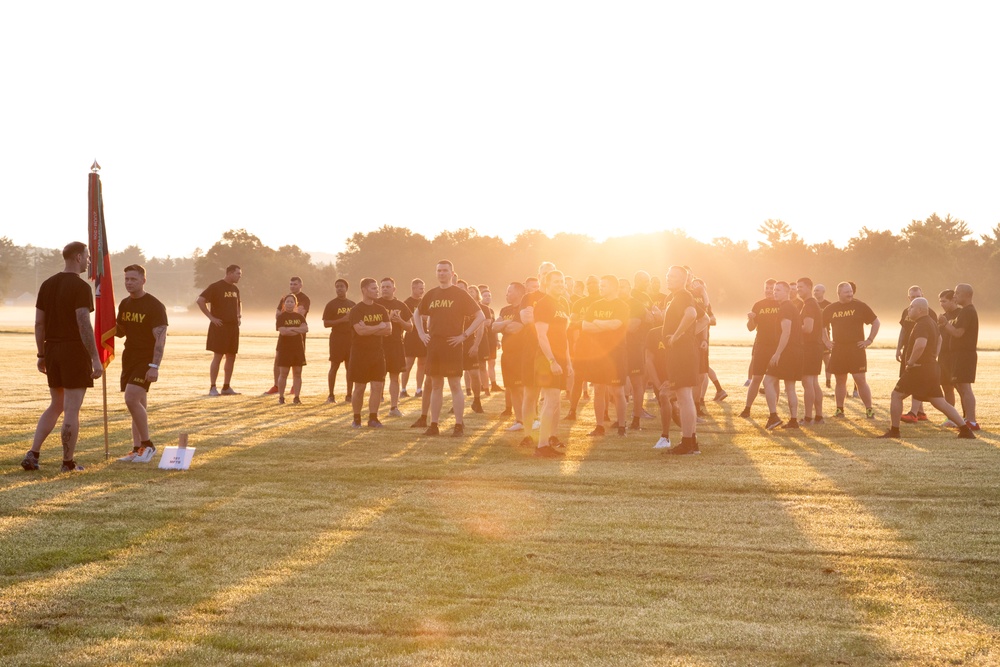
285, 298
365, 282
947, 294
519, 287
295, 279
416, 281
446, 261
138, 268
389, 279
531, 279
782, 282
914, 287
770, 281
462, 282
548, 276
232, 268
545, 267
483, 286
920, 302
807, 281
73, 249
592, 279
341, 280
610, 278
680, 268
840, 286
964, 288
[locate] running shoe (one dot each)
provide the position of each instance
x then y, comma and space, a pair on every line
213, 392
597, 432
747, 383
921, 416
965, 432
839, 414
73, 466
947, 423
891, 434
145, 454
374, 423
229, 391
477, 406
773, 422
792, 423
526, 442
281, 400
548, 452
272, 390
645, 414
663, 443
974, 426
404, 394
458, 431
720, 395
745, 414
128, 458
684, 449
418, 393
394, 412
818, 419
870, 413
432, 430
909, 418
420, 423
30, 461
356, 424
535, 425
296, 401
516, 426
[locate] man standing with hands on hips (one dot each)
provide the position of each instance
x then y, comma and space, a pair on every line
67, 353
224, 332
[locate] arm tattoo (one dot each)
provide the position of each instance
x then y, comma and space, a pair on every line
86, 332
160, 333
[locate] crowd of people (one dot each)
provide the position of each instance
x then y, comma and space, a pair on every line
555, 334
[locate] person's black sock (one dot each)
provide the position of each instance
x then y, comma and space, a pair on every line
372, 416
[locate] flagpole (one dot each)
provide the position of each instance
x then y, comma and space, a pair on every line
103, 287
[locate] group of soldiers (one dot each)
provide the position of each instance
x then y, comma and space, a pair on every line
555, 334
797, 331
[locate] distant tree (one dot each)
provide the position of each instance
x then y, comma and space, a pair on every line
395, 252
132, 254
776, 232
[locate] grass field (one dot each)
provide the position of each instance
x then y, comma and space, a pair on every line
295, 540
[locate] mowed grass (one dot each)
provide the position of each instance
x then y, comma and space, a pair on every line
296, 540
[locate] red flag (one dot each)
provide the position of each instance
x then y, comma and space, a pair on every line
100, 272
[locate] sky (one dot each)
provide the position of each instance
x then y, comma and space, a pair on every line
306, 122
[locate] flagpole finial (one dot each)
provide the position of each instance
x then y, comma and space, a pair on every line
95, 167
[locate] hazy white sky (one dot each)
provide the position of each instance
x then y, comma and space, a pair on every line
306, 122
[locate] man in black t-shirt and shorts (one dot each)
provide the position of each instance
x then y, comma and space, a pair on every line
67, 353
295, 288
785, 364
224, 331
370, 325
413, 348
142, 321
336, 317
446, 307
920, 377
395, 359
916, 412
762, 318
680, 325
508, 324
847, 319
964, 335
812, 352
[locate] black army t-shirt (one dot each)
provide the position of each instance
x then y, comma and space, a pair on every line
447, 309
136, 320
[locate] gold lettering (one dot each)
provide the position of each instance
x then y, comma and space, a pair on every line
842, 313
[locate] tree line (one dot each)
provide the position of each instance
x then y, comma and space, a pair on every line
935, 253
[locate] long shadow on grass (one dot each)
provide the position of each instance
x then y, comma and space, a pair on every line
940, 504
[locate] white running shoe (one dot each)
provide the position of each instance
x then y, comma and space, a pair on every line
536, 425
394, 412
516, 426
145, 454
418, 393
130, 456
947, 423
662, 443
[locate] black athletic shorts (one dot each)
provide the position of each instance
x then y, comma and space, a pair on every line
340, 348
963, 366
946, 368
367, 367
812, 358
510, 367
636, 357
847, 358
134, 372
789, 364
67, 365
444, 360
395, 359
761, 359
921, 382
682, 366
610, 368
544, 377
470, 361
413, 346
224, 339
